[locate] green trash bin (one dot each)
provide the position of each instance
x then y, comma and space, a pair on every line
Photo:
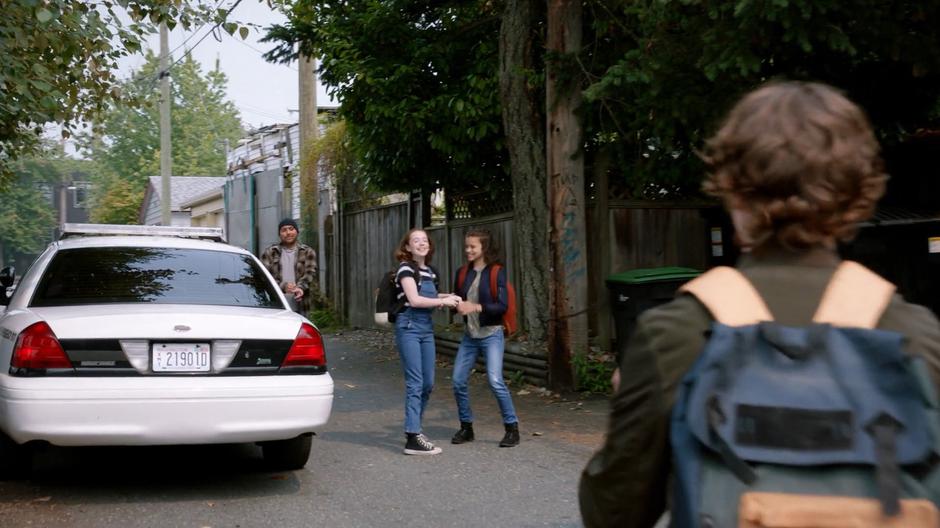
632, 292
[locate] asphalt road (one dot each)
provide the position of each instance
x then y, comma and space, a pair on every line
356, 476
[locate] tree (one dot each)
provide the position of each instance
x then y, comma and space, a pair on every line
522, 98
424, 87
332, 154
127, 151
59, 57
568, 331
26, 211
663, 72
418, 84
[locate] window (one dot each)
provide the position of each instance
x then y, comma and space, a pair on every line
80, 194
107, 275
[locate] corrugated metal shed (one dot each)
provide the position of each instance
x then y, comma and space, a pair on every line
275, 147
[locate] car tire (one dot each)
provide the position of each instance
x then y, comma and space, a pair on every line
15, 459
285, 455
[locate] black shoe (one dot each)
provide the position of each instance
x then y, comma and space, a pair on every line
511, 439
418, 444
465, 434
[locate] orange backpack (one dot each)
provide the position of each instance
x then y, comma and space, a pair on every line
509, 318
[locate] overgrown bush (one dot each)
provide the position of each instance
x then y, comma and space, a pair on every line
326, 319
593, 371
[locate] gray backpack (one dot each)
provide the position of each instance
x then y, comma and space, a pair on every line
829, 425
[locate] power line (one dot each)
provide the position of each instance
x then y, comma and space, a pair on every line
262, 112
197, 30
259, 52
159, 74
190, 50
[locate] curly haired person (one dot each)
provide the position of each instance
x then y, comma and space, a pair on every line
797, 167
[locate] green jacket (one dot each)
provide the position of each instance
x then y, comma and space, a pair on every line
625, 483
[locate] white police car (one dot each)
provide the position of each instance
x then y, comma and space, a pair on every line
141, 335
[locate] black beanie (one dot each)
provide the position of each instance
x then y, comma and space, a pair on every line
288, 222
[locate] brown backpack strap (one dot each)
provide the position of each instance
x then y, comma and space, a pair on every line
855, 297
729, 296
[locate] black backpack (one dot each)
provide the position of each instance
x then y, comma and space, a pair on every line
387, 303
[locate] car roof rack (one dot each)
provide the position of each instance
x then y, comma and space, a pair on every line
203, 233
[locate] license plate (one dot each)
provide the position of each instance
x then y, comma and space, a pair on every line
180, 357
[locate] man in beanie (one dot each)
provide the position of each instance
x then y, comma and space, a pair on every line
293, 265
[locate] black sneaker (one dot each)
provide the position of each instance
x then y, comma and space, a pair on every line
418, 444
465, 434
512, 436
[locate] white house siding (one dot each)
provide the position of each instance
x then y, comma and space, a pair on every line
207, 213
179, 218
153, 211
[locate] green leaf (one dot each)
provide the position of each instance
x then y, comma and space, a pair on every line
40, 85
243, 31
43, 15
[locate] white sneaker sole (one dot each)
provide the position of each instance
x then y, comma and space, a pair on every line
434, 451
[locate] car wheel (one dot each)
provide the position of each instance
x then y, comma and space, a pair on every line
15, 459
287, 454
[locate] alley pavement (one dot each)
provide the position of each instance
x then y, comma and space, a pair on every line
357, 474
579, 419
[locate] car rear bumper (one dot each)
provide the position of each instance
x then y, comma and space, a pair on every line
163, 410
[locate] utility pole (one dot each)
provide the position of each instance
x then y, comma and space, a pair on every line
568, 292
63, 204
309, 191
166, 158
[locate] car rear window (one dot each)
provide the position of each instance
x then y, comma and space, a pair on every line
154, 275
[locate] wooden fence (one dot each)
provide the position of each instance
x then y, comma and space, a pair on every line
641, 235
368, 239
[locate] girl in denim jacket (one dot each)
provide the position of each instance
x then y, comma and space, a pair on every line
483, 334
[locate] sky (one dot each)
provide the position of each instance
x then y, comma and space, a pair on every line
263, 92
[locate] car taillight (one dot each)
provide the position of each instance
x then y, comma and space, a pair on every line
307, 350
37, 347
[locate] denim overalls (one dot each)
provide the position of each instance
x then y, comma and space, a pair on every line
414, 335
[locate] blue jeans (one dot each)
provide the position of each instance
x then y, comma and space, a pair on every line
414, 335
470, 348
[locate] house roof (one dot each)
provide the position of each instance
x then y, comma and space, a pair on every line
182, 190
185, 188
202, 198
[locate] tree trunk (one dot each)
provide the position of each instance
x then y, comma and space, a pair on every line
523, 121
568, 330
